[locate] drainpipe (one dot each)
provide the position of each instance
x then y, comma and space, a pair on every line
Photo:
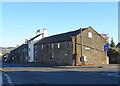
81, 45
75, 52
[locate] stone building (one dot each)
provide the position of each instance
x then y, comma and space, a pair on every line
34, 40
20, 54
80, 47
25, 52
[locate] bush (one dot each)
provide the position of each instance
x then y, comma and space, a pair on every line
114, 51
119, 51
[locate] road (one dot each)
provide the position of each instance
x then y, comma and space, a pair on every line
16, 74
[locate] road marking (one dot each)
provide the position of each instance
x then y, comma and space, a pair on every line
1, 69
9, 80
113, 74
117, 75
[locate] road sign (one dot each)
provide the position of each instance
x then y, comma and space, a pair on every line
106, 48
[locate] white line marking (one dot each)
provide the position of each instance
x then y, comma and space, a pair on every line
9, 80
117, 75
113, 74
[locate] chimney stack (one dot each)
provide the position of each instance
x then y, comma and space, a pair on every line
38, 32
45, 33
26, 41
17, 45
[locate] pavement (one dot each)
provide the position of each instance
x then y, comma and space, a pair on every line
110, 67
89, 66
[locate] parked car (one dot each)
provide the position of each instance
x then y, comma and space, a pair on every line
6, 58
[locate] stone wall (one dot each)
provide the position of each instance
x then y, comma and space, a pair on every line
93, 48
70, 52
20, 54
51, 54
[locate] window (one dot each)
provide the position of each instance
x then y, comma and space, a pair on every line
51, 56
67, 45
42, 46
47, 46
36, 52
58, 45
52, 46
58, 58
90, 34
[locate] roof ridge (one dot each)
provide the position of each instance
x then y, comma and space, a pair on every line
60, 37
63, 33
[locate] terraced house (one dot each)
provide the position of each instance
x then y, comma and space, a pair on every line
20, 54
32, 41
80, 47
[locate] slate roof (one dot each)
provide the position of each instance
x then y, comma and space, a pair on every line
118, 45
34, 37
22, 46
59, 37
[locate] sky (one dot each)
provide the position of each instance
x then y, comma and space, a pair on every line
21, 20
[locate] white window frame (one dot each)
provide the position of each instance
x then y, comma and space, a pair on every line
58, 45
52, 46
42, 46
51, 55
90, 34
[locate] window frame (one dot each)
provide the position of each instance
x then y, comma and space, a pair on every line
58, 45
90, 35
42, 47
52, 45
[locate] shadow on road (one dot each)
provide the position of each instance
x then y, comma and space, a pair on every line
62, 77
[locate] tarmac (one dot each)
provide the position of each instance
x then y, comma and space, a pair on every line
73, 67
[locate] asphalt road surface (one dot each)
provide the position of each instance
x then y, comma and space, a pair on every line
16, 74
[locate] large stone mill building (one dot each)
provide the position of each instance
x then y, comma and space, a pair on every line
68, 48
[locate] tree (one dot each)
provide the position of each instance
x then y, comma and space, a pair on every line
112, 43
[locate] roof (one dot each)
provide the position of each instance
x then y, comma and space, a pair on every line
118, 45
59, 37
34, 37
21, 46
